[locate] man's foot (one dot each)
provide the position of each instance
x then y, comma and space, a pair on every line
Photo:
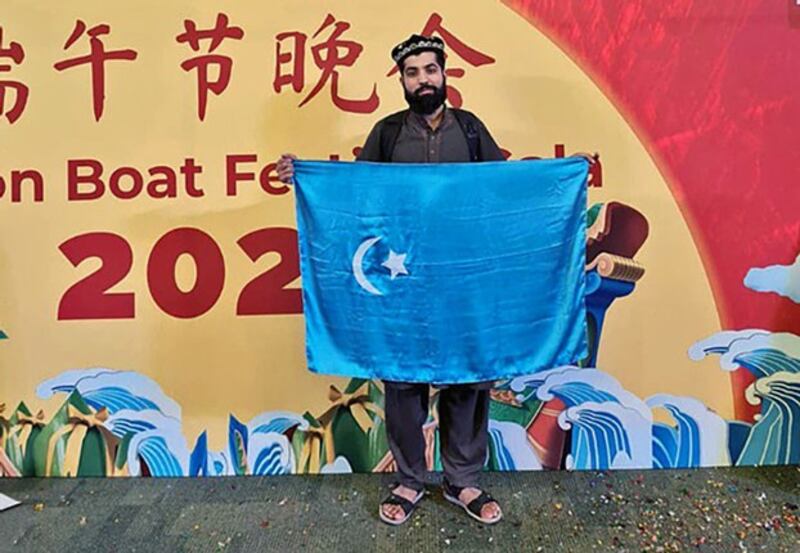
489, 511
478, 504
398, 507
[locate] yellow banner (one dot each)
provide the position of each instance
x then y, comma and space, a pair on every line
143, 229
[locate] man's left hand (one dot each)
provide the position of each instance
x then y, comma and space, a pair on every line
590, 158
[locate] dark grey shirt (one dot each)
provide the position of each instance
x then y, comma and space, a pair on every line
418, 143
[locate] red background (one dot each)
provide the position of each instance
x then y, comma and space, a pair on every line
711, 89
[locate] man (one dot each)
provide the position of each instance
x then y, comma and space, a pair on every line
430, 132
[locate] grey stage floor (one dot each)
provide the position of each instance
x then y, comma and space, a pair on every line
730, 510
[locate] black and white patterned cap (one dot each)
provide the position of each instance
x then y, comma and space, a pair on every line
414, 45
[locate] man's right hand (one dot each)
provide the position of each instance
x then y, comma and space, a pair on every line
286, 168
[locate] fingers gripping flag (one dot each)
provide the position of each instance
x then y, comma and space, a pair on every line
442, 273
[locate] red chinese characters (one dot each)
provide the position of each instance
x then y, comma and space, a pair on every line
223, 64
97, 58
328, 48
329, 55
16, 54
470, 55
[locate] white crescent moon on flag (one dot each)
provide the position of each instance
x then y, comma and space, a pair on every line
358, 268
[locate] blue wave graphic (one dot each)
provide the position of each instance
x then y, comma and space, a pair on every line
665, 446
599, 440
760, 352
738, 433
160, 460
121, 427
163, 452
219, 467
278, 426
775, 438
269, 462
198, 461
766, 362
688, 442
504, 459
270, 454
133, 422
117, 399
114, 390
576, 393
610, 427
510, 447
113, 398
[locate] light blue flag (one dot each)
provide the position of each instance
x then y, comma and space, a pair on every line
442, 273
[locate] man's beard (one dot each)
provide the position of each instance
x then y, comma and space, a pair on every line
427, 103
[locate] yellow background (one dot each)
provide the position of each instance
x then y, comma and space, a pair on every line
532, 98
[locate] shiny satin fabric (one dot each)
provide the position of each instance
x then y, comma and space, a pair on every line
442, 273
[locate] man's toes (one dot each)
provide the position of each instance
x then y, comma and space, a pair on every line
393, 512
491, 511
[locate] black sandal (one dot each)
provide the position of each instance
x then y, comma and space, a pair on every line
407, 506
473, 508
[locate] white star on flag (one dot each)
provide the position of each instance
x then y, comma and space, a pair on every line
396, 264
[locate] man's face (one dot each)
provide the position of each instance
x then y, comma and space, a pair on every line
423, 83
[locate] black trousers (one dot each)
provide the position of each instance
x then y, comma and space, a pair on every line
463, 430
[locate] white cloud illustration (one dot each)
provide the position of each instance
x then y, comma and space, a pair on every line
779, 279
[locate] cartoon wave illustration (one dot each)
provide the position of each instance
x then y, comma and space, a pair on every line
115, 390
128, 421
527, 385
254, 444
775, 438
575, 386
699, 439
203, 462
512, 449
720, 342
761, 352
607, 435
611, 427
138, 409
159, 452
276, 421
65, 381
774, 359
270, 454
218, 464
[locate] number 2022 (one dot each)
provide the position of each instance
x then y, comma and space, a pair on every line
265, 294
